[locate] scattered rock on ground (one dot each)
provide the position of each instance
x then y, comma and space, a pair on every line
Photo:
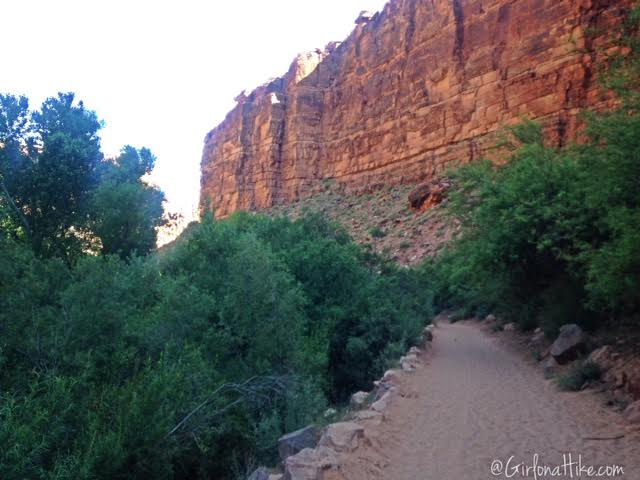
294, 442
427, 195
490, 318
428, 333
568, 344
632, 413
602, 357
550, 366
621, 369
383, 403
391, 377
418, 196
358, 400
407, 367
309, 463
368, 415
343, 436
411, 358
509, 327
537, 337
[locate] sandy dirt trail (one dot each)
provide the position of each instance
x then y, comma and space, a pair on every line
473, 401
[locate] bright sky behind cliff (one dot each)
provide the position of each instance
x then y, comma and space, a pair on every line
160, 73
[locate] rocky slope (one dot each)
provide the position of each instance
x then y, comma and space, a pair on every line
382, 220
416, 88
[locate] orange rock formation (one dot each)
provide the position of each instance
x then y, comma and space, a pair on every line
416, 88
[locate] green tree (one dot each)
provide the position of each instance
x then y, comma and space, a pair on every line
49, 161
15, 140
125, 210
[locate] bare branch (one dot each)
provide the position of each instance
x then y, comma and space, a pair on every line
251, 390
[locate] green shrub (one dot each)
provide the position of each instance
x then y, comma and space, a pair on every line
193, 363
377, 232
552, 235
578, 374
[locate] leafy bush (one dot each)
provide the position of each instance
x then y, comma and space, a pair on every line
377, 232
193, 363
552, 235
578, 374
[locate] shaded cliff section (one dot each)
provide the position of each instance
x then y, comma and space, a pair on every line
419, 87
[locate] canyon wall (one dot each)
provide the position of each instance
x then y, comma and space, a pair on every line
421, 86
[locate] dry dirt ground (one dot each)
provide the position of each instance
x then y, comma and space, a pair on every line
472, 402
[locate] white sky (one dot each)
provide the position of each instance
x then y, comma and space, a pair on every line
161, 74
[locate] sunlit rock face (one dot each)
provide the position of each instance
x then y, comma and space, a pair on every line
419, 87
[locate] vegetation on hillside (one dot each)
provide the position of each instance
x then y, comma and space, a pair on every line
190, 364
553, 235
118, 363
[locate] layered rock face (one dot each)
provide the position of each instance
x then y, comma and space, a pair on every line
419, 87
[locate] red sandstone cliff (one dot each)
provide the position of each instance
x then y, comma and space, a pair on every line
416, 88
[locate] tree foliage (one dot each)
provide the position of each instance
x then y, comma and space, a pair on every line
553, 235
125, 211
192, 363
58, 193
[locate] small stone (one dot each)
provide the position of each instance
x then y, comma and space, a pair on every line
632, 413
383, 403
309, 463
358, 400
391, 377
550, 366
537, 337
407, 367
509, 327
294, 442
568, 344
368, 415
343, 436
602, 356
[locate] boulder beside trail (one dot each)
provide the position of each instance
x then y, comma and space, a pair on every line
550, 366
294, 442
569, 343
427, 333
343, 436
358, 400
382, 404
632, 413
621, 369
309, 463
